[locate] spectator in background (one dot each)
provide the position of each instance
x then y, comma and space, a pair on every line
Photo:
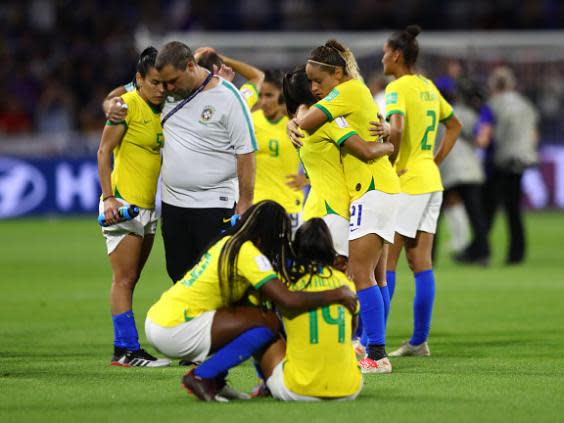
377, 85
462, 177
54, 109
516, 139
13, 118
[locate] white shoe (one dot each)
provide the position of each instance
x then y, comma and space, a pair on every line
367, 365
406, 350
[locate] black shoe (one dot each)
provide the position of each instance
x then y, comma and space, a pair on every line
185, 363
466, 258
204, 389
139, 358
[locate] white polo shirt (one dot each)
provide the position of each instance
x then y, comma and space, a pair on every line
202, 140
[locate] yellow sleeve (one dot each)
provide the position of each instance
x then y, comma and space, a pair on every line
339, 130
254, 266
250, 94
395, 101
446, 110
336, 104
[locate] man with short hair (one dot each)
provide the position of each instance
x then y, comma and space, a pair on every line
208, 157
515, 149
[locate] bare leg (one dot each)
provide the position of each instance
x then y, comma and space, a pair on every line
418, 251
364, 254
380, 272
125, 261
228, 323
273, 355
394, 253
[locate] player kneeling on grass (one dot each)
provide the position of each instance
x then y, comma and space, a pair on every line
318, 360
199, 315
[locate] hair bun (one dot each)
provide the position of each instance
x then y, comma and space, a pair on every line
413, 30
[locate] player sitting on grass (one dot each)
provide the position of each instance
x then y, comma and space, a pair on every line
199, 315
318, 360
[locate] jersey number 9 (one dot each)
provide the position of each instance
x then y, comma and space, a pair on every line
273, 147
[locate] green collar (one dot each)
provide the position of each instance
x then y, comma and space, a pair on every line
156, 109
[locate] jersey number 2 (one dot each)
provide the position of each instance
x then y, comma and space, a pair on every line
330, 320
431, 128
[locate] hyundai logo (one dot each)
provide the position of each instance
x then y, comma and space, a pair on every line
22, 187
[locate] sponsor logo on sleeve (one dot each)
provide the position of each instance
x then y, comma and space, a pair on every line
263, 263
341, 122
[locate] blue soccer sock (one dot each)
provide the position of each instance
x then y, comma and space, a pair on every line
386, 298
423, 306
391, 280
125, 332
372, 313
234, 353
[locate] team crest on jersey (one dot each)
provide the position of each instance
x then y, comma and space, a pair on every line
207, 114
334, 93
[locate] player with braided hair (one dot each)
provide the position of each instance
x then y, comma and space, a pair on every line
201, 314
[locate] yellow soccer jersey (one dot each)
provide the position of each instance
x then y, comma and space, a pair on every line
353, 101
320, 359
137, 158
199, 290
312, 207
321, 157
423, 107
250, 94
276, 158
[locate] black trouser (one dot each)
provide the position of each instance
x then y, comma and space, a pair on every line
504, 187
471, 195
187, 233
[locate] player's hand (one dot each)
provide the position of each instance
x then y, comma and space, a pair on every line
401, 172
347, 298
379, 128
203, 51
293, 131
117, 110
226, 72
297, 181
111, 210
242, 206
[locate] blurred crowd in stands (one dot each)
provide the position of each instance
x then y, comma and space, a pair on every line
60, 57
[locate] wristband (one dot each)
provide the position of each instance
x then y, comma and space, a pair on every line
108, 197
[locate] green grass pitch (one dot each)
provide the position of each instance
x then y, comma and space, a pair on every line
497, 340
